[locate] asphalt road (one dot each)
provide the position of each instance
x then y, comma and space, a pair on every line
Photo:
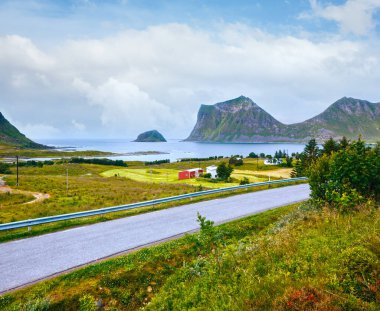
29, 260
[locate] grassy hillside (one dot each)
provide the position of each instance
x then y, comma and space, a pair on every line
310, 260
10, 135
293, 258
130, 281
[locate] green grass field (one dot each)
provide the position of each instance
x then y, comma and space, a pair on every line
87, 190
293, 258
170, 176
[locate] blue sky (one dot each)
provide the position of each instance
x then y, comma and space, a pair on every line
116, 68
77, 18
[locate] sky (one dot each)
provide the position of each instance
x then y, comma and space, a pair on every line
116, 68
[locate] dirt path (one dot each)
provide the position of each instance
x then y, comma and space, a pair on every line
39, 197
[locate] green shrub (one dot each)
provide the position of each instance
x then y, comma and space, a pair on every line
36, 305
346, 178
87, 303
360, 273
236, 161
244, 181
4, 168
207, 175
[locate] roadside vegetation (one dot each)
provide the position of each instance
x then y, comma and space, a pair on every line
10, 199
130, 281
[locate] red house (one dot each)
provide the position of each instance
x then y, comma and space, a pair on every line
191, 173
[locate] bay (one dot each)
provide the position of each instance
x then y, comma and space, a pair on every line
173, 150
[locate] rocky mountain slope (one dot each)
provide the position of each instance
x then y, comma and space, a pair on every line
10, 135
150, 136
241, 120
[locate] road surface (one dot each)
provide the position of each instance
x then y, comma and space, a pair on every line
29, 260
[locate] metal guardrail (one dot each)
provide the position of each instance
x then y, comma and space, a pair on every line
49, 219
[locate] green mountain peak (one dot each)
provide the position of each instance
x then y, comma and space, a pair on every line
10, 135
242, 120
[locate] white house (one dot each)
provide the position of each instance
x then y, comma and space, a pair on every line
212, 170
272, 161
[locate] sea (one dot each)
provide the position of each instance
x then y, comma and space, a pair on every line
173, 149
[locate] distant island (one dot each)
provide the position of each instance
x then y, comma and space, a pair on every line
11, 136
150, 136
240, 120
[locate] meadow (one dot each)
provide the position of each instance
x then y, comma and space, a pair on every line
170, 176
87, 188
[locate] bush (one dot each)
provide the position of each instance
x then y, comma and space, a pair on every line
207, 175
98, 161
244, 181
235, 161
4, 168
87, 303
157, 162
360, 273
346, 178
36, 305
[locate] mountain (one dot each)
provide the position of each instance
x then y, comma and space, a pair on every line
241, 120
10, 135
348, 117
150, 136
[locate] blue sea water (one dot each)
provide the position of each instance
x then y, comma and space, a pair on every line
174, 149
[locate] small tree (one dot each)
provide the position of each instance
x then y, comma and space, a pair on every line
311, 151
343, 143
306, 159
330, 146
252, 155
224, 171
237, 161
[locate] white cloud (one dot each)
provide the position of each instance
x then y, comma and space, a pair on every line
354, 16
36, 131
20, 52
79, 126
157, 77
124, 105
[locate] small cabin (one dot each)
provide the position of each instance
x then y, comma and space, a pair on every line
272, 161
191, 173
212, 170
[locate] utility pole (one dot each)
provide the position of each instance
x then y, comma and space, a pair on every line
17, 171
67, 180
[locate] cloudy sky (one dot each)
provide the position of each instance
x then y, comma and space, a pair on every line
113, 69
